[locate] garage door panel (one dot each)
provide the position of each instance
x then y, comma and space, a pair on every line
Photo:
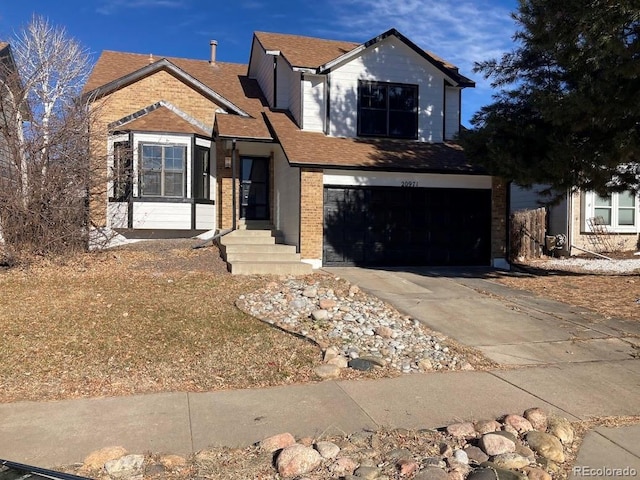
406, 226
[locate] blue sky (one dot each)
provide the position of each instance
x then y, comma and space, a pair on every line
462, 32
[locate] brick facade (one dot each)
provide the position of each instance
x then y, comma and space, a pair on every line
145, 92
225, 187
311, 213
499, 189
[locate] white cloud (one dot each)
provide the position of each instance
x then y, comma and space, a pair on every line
461, 32
112, 6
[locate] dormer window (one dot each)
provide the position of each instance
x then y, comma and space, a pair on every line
387, 110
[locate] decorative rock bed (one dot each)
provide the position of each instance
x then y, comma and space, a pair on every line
354, 329
515, 447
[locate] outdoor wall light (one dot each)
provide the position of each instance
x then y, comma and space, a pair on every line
228, 153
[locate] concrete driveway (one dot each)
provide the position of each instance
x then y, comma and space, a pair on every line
511, 327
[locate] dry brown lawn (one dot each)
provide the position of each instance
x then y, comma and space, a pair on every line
613, 296
161, 316
145, 318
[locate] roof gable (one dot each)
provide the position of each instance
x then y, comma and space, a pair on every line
447, 68
301, 51
322, 55
95, 87
161, 117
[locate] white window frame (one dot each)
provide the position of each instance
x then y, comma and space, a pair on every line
162, 139
590, 212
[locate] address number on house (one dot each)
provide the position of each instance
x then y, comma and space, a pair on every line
408, 183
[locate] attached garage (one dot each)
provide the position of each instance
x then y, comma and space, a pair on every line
386, 226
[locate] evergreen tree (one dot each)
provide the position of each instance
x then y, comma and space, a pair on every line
568, 108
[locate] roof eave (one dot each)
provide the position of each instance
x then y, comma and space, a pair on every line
152, 68
451, 73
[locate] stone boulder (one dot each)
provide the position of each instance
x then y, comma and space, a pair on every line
537, 417
277, 442
546, 445
462, 430
96, 460
511, 461
562, 429
124, 467
494, 444
297, 460
520, 424
327, 449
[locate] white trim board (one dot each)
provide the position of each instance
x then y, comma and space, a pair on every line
404, 179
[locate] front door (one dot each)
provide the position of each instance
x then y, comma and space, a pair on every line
254, 188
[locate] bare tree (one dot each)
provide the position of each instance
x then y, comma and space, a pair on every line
46, 181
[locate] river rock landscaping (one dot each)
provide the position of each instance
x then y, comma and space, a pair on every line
353, 328
531, 445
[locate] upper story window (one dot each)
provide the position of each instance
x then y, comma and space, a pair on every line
162, 169
387, 110
617, 211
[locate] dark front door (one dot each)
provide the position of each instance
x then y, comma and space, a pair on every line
254, 188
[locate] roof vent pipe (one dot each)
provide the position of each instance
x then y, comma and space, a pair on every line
214, 47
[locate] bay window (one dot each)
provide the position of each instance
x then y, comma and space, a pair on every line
163, 170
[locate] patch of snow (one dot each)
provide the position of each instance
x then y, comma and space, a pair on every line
600, 265
103, 238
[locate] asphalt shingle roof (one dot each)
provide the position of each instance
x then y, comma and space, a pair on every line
316, 149
226, 79
162, 119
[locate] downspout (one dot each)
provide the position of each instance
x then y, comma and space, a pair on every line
327, 113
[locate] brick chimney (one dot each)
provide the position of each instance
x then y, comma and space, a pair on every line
214, 48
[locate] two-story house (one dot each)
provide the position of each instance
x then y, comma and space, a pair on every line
346, 149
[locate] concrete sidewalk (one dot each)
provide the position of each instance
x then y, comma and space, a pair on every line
50, 433
600, 379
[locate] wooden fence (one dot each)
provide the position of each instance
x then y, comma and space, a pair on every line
527, 233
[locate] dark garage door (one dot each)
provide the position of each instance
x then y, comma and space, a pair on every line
406, 226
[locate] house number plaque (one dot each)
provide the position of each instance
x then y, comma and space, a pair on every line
408, 183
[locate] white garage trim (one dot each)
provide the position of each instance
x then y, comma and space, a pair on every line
405, 179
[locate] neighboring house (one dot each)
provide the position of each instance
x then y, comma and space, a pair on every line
347, 149
587, 220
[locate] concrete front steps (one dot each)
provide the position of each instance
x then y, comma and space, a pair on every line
256, 248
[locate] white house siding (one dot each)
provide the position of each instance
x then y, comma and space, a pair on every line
262, 71
295, 96
314, 106
283, 83
388, 61
205, 216
287, 199
399, 179
162, 216
451, 112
